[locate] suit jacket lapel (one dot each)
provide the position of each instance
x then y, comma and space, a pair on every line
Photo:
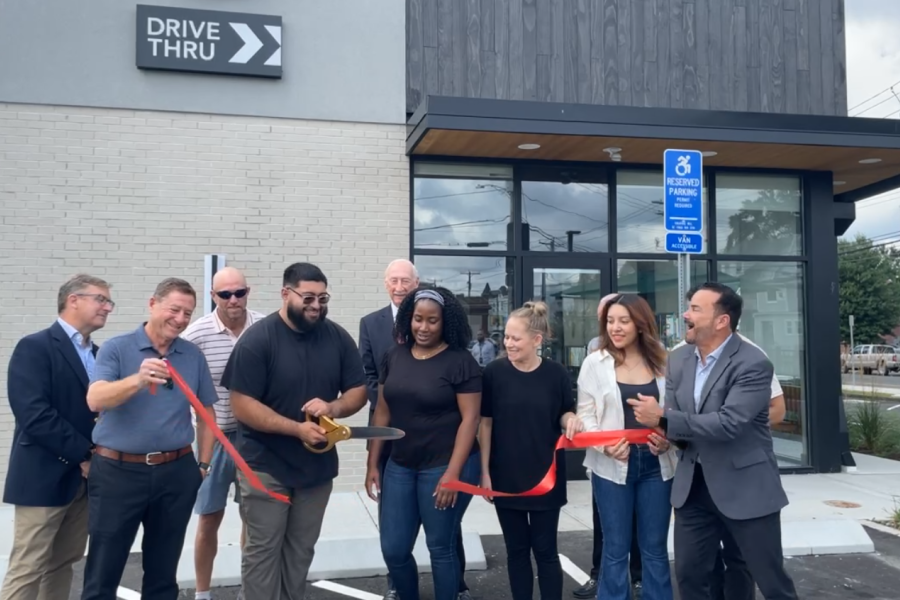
68, 351
721, 364
690, 376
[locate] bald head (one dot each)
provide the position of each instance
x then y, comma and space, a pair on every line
227, 277
400, 278
229, 292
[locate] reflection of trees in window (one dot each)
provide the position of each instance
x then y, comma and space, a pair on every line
767, 224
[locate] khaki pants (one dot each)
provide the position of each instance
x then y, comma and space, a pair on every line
46, 543
281, 539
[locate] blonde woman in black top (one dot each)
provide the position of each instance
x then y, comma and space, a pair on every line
527, 402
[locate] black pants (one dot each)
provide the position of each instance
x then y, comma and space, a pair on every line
731, 579
122, 497
634, 556
526, 533
699, 530
460, 549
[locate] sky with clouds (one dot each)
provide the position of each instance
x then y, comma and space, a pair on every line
873, 65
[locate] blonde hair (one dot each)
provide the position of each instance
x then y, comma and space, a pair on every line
536, 315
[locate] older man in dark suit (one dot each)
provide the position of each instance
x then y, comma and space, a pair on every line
718, 389
51, 449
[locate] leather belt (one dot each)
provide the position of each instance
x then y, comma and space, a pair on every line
151, 458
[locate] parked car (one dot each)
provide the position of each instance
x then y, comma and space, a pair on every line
879, 359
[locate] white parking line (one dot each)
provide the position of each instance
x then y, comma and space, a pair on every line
344, 590
895, 406
126, 594
572, 570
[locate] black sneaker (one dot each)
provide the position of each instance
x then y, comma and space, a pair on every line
588, 590
391, 595
637, 591
464, 595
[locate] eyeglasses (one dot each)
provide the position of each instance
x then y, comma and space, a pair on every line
226, 295
310, 298
99, 298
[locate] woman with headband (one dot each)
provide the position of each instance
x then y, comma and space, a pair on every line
430, 388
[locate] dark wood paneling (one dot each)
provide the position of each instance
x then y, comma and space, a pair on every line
784, 56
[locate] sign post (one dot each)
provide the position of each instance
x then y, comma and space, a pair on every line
852, 358
683, 215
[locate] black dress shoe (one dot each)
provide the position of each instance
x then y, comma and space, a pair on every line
588, 590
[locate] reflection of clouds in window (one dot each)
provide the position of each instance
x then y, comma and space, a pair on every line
454, 213
640, 212
758, 214
479, 282
560, 214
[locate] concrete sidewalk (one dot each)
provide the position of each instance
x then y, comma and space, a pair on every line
823, 517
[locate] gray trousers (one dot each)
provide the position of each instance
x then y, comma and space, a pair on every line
281, 539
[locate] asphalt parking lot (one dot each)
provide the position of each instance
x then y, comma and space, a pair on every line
851, 577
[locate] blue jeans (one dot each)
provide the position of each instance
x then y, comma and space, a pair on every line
408, 499
646, 493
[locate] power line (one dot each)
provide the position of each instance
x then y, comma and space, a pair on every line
887, 89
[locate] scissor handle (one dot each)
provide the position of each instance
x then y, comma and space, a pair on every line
334, 433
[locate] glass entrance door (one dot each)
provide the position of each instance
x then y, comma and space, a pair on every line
572, 289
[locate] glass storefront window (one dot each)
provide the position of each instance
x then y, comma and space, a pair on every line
758, 214
773, 317
657, 282
482, 284
460, 206
640, 224
566, 210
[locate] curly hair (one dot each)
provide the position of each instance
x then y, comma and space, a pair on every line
455, 328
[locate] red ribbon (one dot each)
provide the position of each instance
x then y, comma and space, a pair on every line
579, 440
252, 477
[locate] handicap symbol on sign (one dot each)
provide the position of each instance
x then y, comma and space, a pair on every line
683, 167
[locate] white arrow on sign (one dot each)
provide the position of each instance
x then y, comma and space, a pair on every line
275, 59
251, 46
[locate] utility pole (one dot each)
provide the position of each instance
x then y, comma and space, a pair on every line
470, 273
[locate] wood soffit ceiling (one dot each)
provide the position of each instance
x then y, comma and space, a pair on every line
842, 161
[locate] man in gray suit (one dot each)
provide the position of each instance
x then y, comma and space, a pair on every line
718, 389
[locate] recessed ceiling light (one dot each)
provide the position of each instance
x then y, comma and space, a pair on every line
529, 146
869, 161
839, 182
709, 153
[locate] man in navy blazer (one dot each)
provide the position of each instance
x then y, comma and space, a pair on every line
51, 450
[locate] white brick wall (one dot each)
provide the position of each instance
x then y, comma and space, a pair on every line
135, 197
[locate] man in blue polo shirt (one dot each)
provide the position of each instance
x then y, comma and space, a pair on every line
143, 471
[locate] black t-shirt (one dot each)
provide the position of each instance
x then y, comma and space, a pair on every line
284, 369
421, 395
631, 390
526, 408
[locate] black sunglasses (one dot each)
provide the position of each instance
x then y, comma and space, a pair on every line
226, 295
309, 299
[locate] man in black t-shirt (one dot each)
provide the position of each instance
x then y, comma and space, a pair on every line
293, 362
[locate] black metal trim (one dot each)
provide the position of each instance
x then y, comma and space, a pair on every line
867, 191
484, 114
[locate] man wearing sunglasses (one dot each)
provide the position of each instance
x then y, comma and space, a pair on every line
216, 334
292, 363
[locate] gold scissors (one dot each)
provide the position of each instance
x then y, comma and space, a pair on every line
336, 432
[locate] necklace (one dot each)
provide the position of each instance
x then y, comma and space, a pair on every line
428, 355
629, 369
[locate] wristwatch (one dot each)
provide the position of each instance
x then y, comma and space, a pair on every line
204, 467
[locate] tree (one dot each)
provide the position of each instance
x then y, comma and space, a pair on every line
869, 289
767, 224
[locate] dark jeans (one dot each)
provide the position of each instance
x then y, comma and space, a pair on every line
460, 549
634, 556
526, 532
646, 494
699, 529
407, 498
121, 498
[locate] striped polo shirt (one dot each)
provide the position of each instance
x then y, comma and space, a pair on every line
216, 342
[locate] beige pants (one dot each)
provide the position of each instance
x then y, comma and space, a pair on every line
46, 543
281, 539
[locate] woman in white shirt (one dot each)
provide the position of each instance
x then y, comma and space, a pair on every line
628, 479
